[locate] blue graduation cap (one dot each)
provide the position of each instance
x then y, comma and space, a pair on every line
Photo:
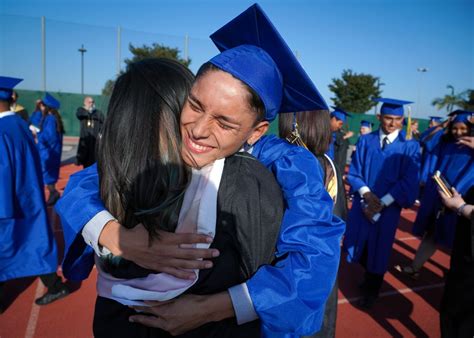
365, 123
437, 119
6, 87
464, 117
391, 106
339, 114
50, 101
459, 111
253, 51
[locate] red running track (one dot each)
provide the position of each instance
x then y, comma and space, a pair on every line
406, 308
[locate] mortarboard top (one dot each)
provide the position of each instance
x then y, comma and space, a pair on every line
50, 101
459, 111
464, 116
339, 114
391, 106
253, 51
6, 86
365, 123
435, 118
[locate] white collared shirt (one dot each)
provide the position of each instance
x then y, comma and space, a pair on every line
391, 137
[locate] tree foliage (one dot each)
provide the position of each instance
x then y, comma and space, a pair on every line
449, 101
354, 92
144, 52
468, 101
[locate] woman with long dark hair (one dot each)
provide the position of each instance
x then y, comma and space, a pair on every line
50, 144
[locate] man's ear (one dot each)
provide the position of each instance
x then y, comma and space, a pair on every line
259, 130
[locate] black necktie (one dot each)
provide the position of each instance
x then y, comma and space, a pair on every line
384, 142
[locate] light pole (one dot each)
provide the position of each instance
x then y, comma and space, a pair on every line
421, 70
82, 50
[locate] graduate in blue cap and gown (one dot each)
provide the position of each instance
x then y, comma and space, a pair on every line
340, 140
287, 304
27, 245
384, 173
455, 161
365, 127
50, 145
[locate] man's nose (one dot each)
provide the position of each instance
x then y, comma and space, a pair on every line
201, 128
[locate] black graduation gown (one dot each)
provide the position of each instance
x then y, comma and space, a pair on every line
250, 209
91, 125
341, 146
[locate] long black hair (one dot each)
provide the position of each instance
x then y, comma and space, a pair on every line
142, 174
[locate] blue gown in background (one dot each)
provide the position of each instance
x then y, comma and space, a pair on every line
50, 144
27, 244
456, 164
35, 118
429, 156
289, 297
393, 170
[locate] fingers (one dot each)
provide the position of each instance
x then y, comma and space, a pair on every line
150, 321
192, 253
189, 264
178, 273
186, 238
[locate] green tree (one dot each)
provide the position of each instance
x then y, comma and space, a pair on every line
468, 101
449, 101
354, 92
144, 52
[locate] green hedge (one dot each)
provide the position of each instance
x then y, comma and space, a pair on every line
69, 104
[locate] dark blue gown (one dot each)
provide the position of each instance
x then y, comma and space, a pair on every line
296, 288
27, 245
50, 145
393, 170
429, 156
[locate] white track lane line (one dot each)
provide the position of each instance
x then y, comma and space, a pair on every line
35, 310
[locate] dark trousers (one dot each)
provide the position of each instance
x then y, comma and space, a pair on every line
372, 281
456, 327
52, 281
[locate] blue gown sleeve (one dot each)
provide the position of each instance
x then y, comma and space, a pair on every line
48, 136
355, 175
290, 295
7, 177
78, 205
405, 191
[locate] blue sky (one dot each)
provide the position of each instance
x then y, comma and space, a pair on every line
385, 38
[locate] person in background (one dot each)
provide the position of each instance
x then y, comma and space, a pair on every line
384, 173
91, 120
340, 139
18, 108
35, 118
50, 145
365, 127
415, 133
27, 245
435, 121
312, 130
456, 164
